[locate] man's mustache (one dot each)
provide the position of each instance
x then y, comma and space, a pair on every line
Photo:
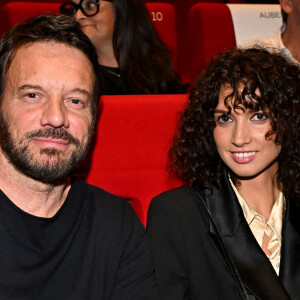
55, 134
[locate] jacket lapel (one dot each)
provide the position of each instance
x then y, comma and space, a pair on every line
290, 252
252, 264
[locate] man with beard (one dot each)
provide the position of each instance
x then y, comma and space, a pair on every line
287, 37
60, 237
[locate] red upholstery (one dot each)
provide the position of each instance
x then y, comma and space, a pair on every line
210, 32
164, 19
14, 12
130, 155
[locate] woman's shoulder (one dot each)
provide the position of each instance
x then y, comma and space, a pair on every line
178, 199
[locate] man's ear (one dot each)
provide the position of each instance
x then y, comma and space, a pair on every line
286, 5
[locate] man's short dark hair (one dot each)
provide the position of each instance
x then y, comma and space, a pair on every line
50, 27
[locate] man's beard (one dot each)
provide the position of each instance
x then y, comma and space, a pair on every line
55, 168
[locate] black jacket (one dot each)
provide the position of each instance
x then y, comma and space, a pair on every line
188, 256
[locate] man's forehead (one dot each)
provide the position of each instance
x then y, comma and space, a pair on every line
51, 65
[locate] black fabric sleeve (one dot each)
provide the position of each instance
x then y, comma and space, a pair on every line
168, 250
135, 278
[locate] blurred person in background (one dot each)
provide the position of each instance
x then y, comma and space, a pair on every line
287, 38
132, 57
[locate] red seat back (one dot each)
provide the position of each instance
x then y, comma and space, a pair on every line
130, 155
15, 12
164, 20
211, 31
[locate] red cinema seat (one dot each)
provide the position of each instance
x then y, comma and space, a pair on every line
164, 20
216, 27
130, 155
15, 12
211, 31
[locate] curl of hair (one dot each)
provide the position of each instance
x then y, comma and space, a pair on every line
194, 157
142, 56
50, 27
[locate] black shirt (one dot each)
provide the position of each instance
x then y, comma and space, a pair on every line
93, 248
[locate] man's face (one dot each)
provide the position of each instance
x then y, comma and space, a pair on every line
46, 111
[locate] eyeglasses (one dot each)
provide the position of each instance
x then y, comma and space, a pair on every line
88, 7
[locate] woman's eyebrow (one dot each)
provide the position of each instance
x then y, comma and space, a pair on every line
220, 111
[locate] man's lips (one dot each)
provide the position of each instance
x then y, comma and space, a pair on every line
51, 142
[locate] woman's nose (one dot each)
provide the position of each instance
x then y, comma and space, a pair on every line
241, 134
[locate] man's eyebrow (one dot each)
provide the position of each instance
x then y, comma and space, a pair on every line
81, 91
37, 87
29, 86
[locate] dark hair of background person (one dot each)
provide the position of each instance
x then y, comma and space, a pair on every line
194, 157
57, 28
143, 58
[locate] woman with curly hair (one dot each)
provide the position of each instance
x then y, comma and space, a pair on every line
233, 230
132, 57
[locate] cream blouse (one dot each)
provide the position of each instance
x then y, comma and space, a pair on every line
272, 228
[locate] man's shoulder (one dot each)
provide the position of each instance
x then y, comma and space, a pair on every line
265, 42
99, 200
273, 42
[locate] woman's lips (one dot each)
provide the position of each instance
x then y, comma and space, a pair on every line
243, 157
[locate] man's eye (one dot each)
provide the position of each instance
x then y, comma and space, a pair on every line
32, 95
259, 117
76, 101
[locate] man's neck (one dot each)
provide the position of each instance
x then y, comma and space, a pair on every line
291, 39
32, 196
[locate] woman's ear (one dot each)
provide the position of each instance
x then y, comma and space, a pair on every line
287, 5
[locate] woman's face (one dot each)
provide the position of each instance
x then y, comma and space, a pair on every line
241, 141
100, 27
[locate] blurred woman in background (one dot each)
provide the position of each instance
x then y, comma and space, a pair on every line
132, 57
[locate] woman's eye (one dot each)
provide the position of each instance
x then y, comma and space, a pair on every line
224, 119
259, 117
90, 5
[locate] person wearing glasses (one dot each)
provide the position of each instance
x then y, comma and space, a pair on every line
132, 57
233, 230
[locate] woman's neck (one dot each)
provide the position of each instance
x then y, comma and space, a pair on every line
260, 192
106, 57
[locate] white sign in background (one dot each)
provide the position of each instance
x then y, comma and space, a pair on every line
252, 21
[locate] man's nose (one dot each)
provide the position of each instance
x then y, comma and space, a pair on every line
55, 113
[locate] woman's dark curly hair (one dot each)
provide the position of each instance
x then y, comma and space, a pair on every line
194, 157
